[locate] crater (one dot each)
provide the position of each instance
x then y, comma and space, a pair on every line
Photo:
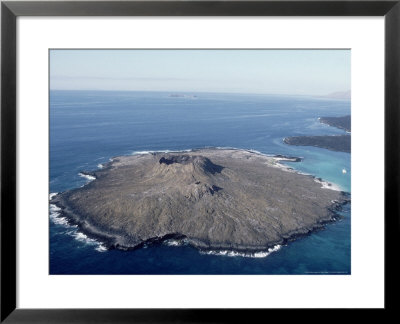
198, 161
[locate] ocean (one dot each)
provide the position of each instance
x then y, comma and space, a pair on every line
87, 128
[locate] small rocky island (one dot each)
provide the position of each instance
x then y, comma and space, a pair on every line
215, 198
340, 143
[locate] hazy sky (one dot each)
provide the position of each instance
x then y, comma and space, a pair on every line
308, 72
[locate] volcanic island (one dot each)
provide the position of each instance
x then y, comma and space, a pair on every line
219, 199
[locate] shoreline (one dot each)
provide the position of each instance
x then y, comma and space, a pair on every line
113, 240
106, 241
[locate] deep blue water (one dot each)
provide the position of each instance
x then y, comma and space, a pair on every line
87, 128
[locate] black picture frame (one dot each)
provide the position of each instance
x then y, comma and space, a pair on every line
10, 10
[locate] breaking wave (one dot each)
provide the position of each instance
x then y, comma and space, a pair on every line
176, 242
87, 176
231, 253
57, 218
79, 236
327, 185
53, 194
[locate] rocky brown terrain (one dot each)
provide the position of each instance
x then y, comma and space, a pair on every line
215, 198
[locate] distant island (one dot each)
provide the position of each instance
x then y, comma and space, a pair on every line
214, 198
180, 95
343, 122
340, 143
340, 95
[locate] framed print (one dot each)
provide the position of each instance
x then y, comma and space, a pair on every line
213, 150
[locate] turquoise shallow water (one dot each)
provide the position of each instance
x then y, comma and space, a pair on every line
87, 128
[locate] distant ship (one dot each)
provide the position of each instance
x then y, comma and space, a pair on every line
344, 171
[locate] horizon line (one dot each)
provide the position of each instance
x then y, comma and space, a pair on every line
326, 96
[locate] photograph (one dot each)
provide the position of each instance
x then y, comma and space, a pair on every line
199, 161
